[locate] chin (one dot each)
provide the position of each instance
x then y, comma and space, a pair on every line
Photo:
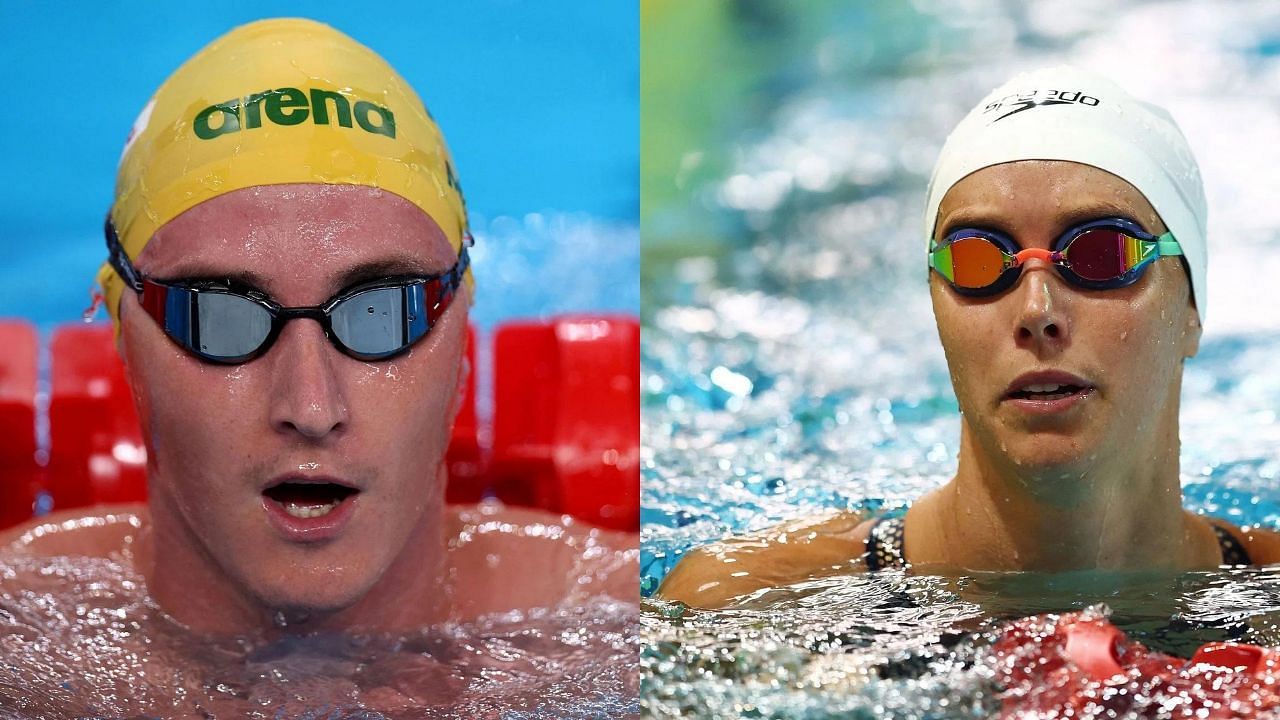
301, 603
1054, 464
1070, 449
312, 587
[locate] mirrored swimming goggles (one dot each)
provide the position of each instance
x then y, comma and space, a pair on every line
226, 322
1097, 255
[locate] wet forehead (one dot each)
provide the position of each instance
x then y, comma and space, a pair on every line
300, 243
1041, 197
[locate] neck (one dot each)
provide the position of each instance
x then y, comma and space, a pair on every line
1123, 510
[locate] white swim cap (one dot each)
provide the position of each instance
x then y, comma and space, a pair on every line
1065, 113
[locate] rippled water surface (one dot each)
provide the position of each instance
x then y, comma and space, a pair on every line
82, 639
902, 646
791, 365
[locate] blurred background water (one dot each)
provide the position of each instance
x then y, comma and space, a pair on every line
791, 364
538, 102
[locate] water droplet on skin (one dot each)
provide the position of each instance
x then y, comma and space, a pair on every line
674, 610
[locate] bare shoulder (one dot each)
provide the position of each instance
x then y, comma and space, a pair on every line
1263, 545
104, 531
507, 558
712, 576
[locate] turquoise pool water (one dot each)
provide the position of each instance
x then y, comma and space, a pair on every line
791, 364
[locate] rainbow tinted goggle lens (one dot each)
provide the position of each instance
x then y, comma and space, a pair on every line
225, 322
1097, 255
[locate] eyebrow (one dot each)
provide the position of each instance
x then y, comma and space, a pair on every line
382, 268
982, 218
364, 272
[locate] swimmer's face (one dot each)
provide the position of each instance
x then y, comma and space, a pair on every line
1128, 343
217, 435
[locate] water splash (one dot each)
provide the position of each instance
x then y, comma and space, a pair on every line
82, 639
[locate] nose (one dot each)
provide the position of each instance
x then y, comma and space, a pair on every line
1042, 321
307, 395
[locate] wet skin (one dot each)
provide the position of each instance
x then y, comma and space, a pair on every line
1092, 485
216, 435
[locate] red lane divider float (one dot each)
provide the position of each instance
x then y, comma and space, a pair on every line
1079, 665
566, 425
19, 473
566, 422
96, 453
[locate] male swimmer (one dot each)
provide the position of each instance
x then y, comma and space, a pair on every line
1067, 257
288, 276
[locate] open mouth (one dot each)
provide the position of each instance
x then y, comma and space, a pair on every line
1048, 392
308, 500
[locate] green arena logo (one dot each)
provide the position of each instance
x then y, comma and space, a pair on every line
291, 106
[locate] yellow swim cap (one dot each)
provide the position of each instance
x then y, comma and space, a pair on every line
274, 102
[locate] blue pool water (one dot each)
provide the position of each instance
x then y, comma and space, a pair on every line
538, 100
791, 364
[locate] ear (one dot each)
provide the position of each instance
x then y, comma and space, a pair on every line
1191, 333
464, 363
118, 329
460, 394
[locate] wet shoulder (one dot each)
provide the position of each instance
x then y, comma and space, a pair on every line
713, 576
104, 531
1261, 545
510, 558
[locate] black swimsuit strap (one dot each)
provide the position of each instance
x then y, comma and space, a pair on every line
884, 544
1233, 552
